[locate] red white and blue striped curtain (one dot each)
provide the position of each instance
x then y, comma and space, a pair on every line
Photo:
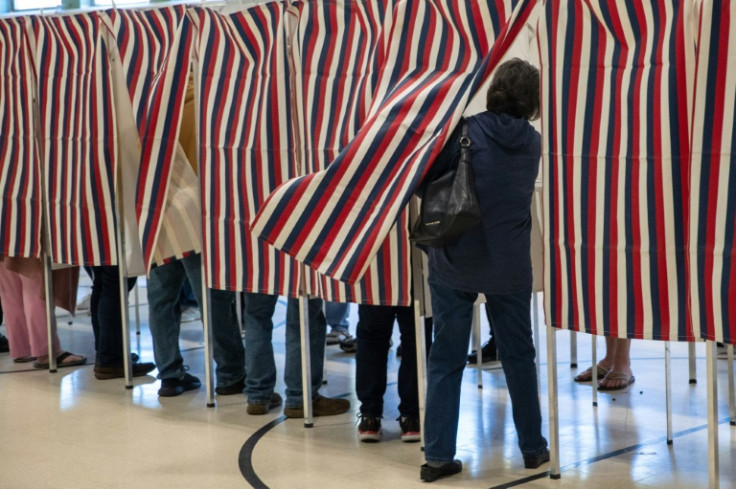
246, 142
616, 82
434, 56
155, 48
713, 209
333, 51
20, 187
77, 124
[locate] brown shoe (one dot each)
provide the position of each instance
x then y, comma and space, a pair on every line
264, 407
117, 371
321, 406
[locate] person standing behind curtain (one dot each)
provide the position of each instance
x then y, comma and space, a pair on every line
492, 258
22, 294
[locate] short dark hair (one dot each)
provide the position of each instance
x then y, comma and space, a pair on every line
514, 90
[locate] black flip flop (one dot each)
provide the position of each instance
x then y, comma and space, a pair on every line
60, 359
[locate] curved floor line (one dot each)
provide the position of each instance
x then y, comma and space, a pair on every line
245, 457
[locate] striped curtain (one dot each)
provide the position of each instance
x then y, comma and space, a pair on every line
155, 47
246, 142
20, 201
333, 50
616, 82
713, 208
433, 56
77, 124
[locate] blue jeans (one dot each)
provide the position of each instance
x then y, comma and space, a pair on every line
104, 306
374, 330
164, 303
453, 315
260, 364
337, 315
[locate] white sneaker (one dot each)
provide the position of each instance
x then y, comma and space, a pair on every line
190, 314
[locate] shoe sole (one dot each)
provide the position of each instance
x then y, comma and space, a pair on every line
369, 436
104, 376
411, 437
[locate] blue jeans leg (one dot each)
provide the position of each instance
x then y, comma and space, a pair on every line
293, 368
227, 344
513, 331
164, 292
336, 314
105, 309
259, 362
453, 316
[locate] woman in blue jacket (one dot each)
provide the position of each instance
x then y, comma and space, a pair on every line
492, 258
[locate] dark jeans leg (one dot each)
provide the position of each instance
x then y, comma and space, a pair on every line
105, 310
408, 390
513, 330
375, 325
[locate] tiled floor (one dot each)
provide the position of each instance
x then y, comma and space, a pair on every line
69, 430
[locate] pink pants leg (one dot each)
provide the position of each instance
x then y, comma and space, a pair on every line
25, 313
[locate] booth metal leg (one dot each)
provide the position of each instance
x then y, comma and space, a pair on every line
207, 327
421, 365
573, 349
691, 358
51, 325
712, 382
535, 331
306, 356
554, 422
731, 404
476, 342
594, 370
137, 310
668, 389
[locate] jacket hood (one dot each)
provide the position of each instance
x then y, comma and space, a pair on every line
507, 131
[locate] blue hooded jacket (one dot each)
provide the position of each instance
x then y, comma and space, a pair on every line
493, 257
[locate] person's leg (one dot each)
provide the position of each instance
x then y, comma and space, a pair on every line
408, 390
336, 314
293, 367
513, 330
15, 319
106, 311
227, 342
34, 307
453, 316
321, 406
164, 289
375, 325
260, 366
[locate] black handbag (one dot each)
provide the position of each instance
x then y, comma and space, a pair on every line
449, 206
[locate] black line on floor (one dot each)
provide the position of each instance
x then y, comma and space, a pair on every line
245, 458
605, 456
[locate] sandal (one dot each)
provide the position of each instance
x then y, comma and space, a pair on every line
587, 375
24, 359
616, 376
60, 361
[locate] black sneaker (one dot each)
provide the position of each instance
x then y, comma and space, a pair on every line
431, 474
174, 387
229, 390
409, 429
369, 429
534, 461
4, 345
489, 353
